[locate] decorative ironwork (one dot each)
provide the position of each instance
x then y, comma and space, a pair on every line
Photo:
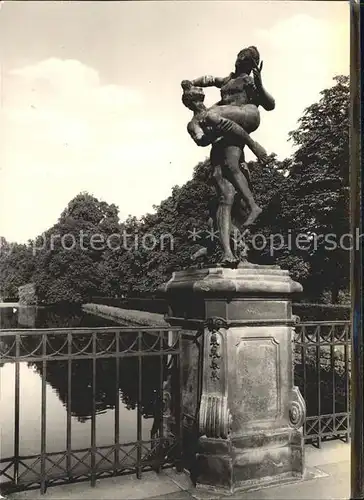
51, 344
322, 373
44, 346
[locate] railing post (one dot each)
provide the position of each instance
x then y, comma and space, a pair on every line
139, 407
43, 444
16, 410
318, 371
69, 405
93, 415
117, 404
179, 410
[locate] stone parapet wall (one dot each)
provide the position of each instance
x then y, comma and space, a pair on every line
117, 314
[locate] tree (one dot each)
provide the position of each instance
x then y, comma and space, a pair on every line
16, 267
69, 263
315, 198
120, 264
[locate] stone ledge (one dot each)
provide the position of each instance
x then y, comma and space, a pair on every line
132, 316
268, 280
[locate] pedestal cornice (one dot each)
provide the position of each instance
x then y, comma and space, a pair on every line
250, 279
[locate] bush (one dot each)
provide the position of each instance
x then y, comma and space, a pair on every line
321, 312
306, 312
27, 295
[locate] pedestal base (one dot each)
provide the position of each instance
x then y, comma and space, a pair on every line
251, 414
250, 462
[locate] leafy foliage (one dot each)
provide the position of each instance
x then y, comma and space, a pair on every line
68, 263
315, 198
17, 265
27, 294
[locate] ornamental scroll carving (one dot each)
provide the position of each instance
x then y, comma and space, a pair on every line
215, 418
297, 411
214, 323
214, 415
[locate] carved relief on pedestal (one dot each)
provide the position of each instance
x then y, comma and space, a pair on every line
297, 411
258, 368
215, 345
214, 415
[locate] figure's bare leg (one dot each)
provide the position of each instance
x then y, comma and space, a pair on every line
223, 216
238, 179
236, 123
237, 134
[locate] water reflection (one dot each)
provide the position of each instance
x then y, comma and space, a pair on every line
106, 392
79, 402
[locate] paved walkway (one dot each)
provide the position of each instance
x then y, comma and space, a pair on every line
328, 478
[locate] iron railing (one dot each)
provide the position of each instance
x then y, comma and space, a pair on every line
140, 366
97, 369
322, 372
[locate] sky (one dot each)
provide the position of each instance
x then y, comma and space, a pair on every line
90, 96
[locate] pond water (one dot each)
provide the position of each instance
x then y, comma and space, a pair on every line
81, 400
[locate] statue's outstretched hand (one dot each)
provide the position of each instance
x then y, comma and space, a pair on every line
257, 70
186, 84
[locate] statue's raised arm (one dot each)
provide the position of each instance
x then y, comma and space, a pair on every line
263, 97
206, 81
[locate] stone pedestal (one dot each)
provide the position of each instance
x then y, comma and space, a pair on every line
250, 414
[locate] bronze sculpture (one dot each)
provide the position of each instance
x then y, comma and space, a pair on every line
227, 126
